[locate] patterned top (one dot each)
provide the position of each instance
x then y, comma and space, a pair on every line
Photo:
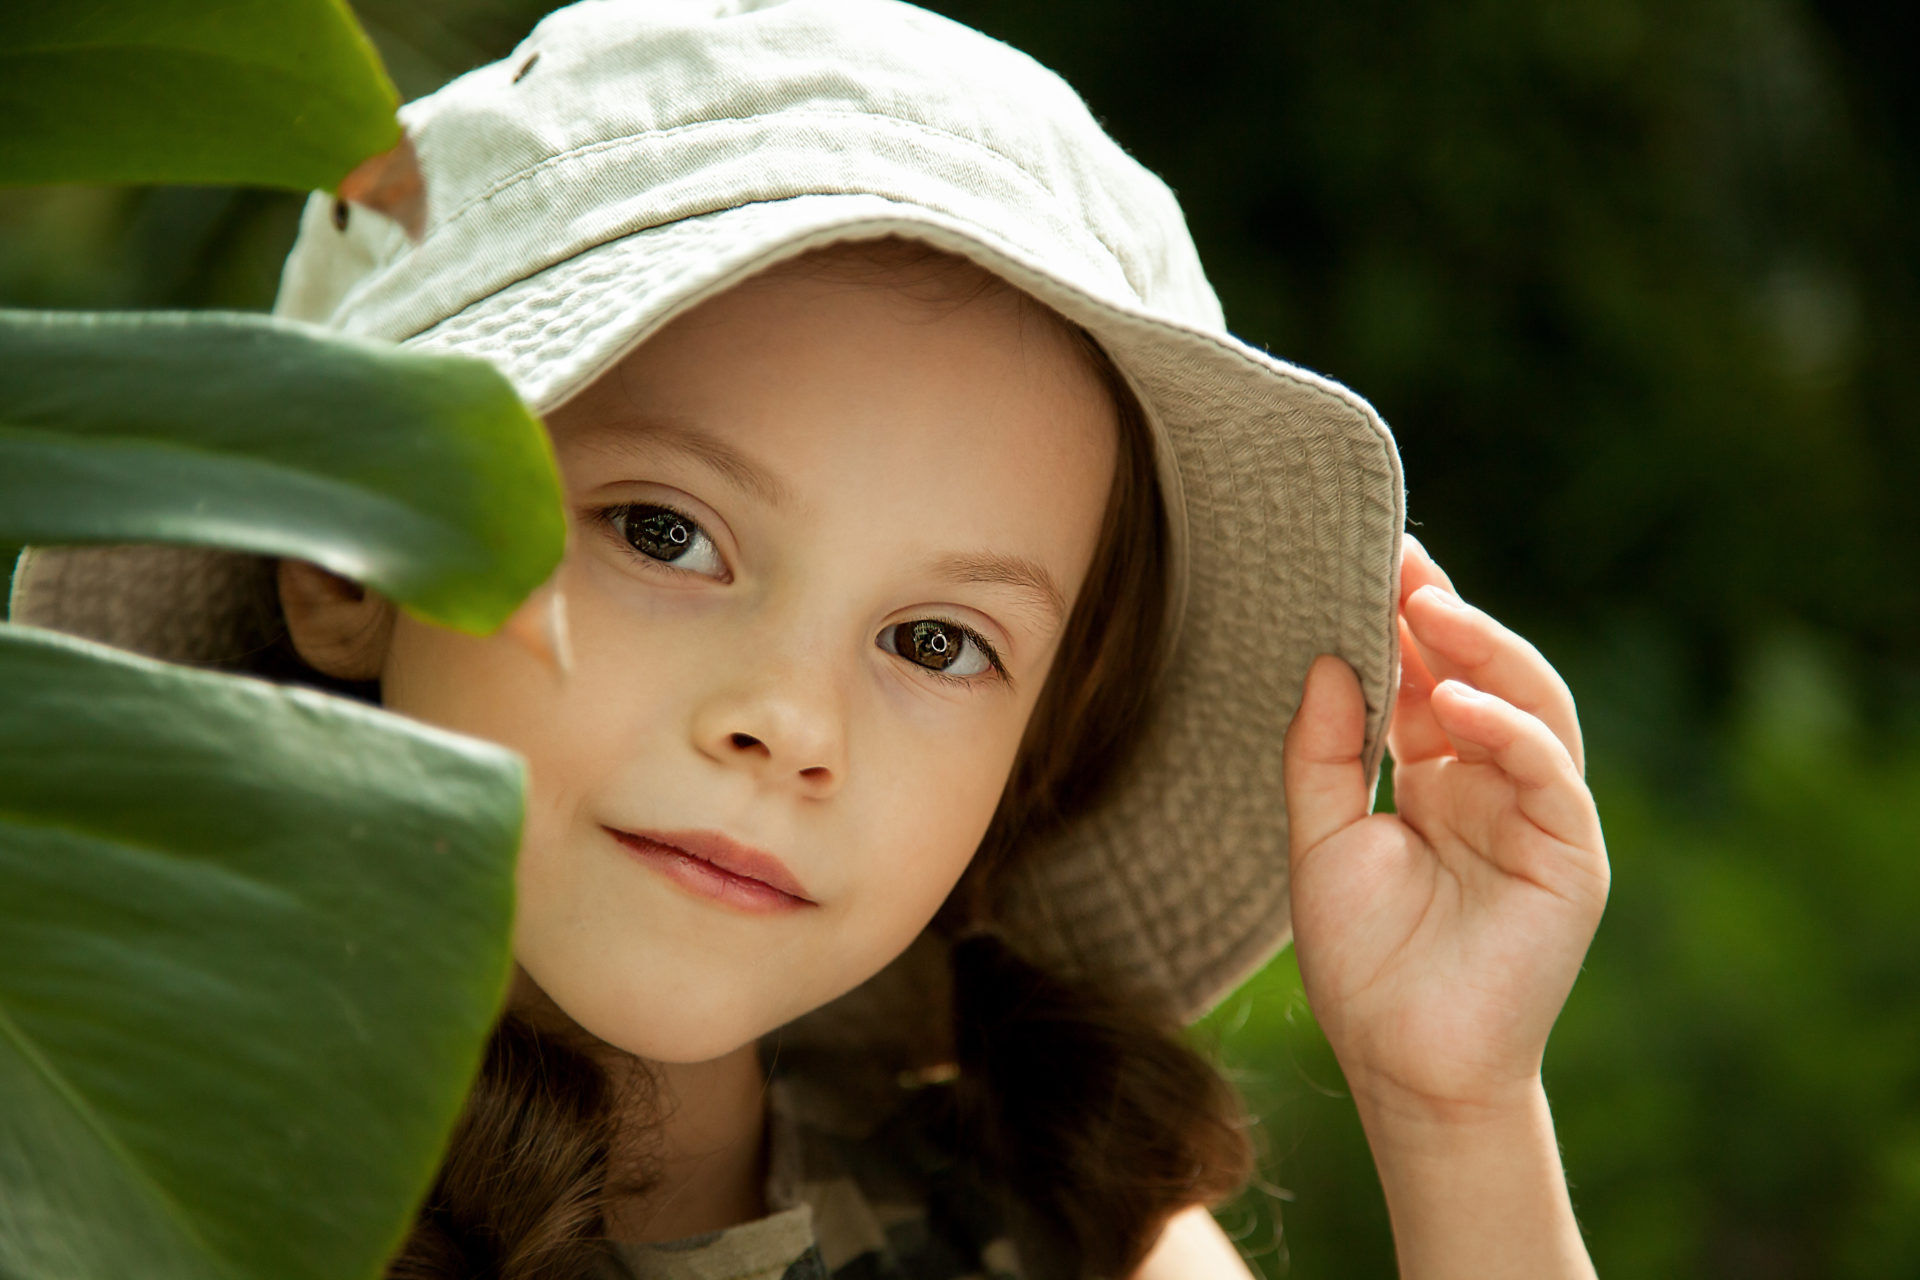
861, 1189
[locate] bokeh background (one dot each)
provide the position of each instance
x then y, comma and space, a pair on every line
1637, 283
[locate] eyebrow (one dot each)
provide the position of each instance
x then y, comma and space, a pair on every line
1029, 578
719, 456
1032, 580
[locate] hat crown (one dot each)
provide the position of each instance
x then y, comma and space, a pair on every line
616, 115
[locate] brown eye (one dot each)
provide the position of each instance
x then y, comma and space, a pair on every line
663, 534
938, 646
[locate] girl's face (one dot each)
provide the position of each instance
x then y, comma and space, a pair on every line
825, 540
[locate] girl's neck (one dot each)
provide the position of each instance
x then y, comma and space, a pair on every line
702, 1136
693, 1135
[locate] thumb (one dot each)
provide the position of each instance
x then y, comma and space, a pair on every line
1326, 784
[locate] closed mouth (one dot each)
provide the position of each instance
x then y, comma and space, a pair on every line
717, 867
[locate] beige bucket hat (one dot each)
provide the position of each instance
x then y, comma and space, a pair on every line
633, 157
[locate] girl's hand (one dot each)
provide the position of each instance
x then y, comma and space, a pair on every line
1438, 944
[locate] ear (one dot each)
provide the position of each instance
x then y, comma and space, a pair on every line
339, 628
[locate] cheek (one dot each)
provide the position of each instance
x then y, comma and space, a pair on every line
490, 688
935, 807
573, 732
498, 688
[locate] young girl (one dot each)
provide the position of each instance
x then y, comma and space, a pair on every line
942, 583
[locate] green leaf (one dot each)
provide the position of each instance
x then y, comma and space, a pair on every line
254, 939
420, 474
286, 93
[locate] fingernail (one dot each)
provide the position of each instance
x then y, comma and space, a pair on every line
1446, 598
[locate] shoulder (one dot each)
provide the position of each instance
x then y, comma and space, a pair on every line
1193, 1247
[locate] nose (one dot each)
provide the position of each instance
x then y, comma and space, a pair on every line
783, 720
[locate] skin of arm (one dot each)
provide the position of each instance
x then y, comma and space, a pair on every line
1482, 1196
1438, 944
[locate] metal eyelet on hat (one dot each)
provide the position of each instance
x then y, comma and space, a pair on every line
525, 67
340, 214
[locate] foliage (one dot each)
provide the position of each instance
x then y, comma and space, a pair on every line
1740, 1081
254, 91
418, 474
251, 938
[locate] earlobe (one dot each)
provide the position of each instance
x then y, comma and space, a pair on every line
339, 628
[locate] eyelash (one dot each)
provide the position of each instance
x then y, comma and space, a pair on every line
608, 519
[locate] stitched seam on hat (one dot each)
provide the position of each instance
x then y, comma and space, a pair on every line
636, 139
1352, 406
1353, 413
1356, 408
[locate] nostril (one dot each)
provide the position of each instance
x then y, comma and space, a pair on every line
745, 740
818, 773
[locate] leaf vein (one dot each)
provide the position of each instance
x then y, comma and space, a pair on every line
90, 1116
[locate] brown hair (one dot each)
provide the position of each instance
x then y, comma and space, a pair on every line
521, 1189
1084, 1104
1083, 1099
1094, 697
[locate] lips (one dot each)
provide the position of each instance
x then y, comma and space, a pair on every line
713, 866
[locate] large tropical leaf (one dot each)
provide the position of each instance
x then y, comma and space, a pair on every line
272, 92
420, 474
252, 941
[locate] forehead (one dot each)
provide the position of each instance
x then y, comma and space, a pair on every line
899, 353
922, 284
928, 397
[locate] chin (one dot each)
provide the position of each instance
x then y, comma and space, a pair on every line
669, 1023
680, 1041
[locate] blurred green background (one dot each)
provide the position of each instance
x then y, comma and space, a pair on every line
1637, 284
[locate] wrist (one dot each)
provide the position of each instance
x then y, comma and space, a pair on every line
1392, 1110
1476, 1189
